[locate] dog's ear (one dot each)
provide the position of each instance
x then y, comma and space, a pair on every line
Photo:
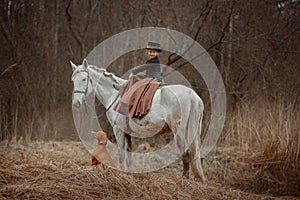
103, 134
94, 134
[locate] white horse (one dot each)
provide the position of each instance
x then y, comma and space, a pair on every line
175, 109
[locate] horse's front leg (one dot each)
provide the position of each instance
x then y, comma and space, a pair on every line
123, 147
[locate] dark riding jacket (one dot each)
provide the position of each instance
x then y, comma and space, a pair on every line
152, 69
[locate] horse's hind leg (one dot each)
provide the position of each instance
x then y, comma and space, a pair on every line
186, 163
185, 156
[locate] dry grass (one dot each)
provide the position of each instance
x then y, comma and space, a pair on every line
267, 134
258, 158
62, 170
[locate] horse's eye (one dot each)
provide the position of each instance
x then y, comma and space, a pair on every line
84, 79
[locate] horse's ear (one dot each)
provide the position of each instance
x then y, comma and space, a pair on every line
74, 67
85, 63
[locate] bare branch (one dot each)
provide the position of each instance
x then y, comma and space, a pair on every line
220, 40
74, 34
89, 17
7, 34
205, 13
7, 69
229, 17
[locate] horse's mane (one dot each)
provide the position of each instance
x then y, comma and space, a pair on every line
96, 68
106, 73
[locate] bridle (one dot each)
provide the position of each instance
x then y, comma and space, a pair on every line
87, 85
86, 90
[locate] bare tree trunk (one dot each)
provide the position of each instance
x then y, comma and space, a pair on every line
229, 50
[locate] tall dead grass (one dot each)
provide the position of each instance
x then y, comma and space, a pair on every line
267, 134
62, 170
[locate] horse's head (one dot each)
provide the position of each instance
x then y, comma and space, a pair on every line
88, 78
82, 83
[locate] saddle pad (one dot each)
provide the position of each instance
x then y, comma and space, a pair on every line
136, 97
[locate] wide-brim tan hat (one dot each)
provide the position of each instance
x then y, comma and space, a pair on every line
153, 46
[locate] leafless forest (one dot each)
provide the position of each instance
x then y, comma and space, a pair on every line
255, 45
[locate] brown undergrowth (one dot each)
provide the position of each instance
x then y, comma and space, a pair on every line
257, 158
62, 170
267, 135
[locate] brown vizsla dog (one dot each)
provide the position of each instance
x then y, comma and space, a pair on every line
100, 154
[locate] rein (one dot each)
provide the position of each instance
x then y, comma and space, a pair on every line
108, 108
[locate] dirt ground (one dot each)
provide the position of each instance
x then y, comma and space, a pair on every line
62, 170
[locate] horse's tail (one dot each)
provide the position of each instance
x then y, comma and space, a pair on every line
195, 154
